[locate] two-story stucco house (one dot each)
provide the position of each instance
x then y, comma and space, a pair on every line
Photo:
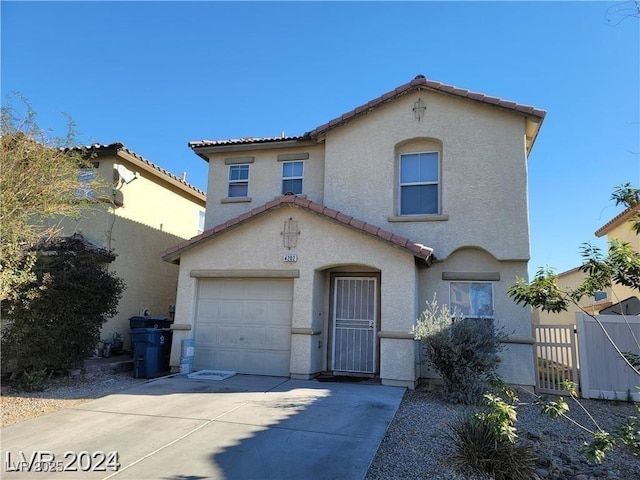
321, 250
146, 211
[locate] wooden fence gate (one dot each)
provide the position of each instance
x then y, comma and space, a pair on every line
556, 358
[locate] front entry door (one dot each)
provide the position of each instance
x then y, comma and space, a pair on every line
354, 324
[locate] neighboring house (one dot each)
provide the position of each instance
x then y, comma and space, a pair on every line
618, 228
147, 211
321, 250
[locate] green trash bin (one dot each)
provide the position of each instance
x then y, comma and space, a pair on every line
151, 351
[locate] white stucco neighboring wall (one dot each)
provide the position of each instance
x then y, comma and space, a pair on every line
257, 249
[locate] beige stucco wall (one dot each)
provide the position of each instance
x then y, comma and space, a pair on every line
567, 281
517, 360
265, 180
322, 245
483, 173
624, 233
484, 206
154, 216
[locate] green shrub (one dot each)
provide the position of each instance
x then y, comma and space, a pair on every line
32, 381
464, 352
629, 434
58, 327
486, 443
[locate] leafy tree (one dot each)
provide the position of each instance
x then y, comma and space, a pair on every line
54, 294
619, 266
39, 181
59, 327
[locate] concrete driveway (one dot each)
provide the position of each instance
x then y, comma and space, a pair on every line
244, 427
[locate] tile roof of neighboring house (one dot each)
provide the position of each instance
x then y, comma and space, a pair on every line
118, 147
617, 220
419, 81
418, 250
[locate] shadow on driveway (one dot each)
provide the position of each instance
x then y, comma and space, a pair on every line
244, 427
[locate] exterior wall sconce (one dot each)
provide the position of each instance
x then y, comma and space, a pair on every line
418, 109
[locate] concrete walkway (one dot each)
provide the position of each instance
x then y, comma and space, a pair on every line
244, 427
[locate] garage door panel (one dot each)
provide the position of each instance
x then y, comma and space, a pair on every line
255, 312
244, 325
278, 338
279, 313
203, 358
205, 334
228, 336
230, 311
215, 358
208, 310
263, 363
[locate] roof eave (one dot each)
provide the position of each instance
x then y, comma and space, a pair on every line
204, 150
617, 220
182, 186
421, 83
420, 252
117, 149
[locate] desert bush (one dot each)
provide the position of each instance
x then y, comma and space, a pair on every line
629, 434
57, 327
486, 443
463, 351
32, 381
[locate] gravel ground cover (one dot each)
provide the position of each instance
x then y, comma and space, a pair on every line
63, 392
416, 445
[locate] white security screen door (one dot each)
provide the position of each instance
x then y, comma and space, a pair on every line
354, 324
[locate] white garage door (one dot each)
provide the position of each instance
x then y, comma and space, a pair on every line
244, 325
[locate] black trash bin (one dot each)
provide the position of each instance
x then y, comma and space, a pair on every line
151, 351
150, 322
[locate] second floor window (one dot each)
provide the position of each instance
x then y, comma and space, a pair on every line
238, 181
292, 173
86, 178
419, 183
201, 218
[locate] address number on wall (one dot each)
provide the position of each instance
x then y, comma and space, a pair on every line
290, 257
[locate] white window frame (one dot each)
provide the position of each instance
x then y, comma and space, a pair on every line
410, 184
86, 176
201, 220
241, 181
293, 177
455, 309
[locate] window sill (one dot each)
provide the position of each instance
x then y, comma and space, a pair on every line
302, 195
419, 218
235, 200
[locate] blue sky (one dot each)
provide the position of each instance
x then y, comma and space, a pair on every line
155, 75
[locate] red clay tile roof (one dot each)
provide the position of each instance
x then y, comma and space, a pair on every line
117, 146
418, 250
418, 82
242, 141
617, 220
421, 82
